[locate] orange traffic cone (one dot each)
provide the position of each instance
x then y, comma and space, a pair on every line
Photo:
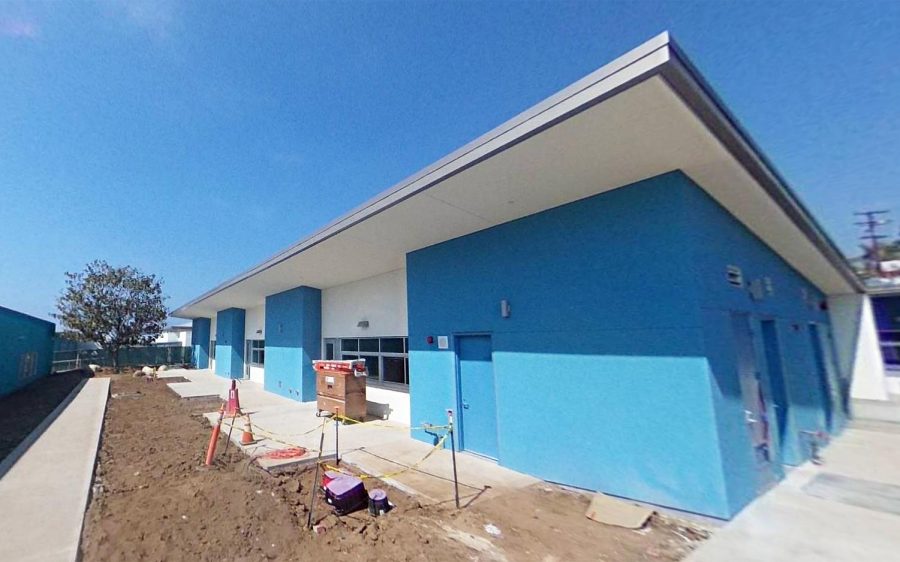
234, 402
247, 437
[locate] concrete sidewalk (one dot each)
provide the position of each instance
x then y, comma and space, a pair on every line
376, 447
845, 510
43, 496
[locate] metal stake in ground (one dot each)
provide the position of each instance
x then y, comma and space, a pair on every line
312, 493
453, 456
337, 422
230, 429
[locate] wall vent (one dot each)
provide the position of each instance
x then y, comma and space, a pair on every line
734, 275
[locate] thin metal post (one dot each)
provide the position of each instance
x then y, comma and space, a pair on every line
337, 422
453, 456
230, 429
312, 493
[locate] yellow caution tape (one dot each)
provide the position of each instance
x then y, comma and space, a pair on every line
345, 419
414, 466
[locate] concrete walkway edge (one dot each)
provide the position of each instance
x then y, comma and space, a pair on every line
44, 494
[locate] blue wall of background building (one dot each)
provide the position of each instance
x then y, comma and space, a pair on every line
614, 371
293, 340
230, 342
200, 332
20, 335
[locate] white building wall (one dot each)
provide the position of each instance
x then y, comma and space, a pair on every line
381, 300
856, 340
254, 329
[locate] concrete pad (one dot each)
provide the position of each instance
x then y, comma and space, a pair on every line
790, 524
193, 390
44, 494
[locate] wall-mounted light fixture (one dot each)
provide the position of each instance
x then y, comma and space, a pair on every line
258, 331
362, 324
504, 308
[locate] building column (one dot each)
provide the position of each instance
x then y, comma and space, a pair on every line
230, 343
293, 340
200, 328
856, 340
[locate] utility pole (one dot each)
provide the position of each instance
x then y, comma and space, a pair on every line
870, 225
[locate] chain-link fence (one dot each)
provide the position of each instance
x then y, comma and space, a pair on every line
136, 356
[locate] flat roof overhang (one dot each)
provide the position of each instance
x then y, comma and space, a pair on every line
646, 113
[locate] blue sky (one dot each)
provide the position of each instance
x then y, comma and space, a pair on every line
194, 140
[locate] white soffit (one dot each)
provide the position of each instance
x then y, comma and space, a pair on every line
644, 130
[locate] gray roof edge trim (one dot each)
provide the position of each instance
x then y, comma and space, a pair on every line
689, 83
384, 200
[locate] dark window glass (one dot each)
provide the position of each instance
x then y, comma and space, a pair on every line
346, 357
395, 370
329, 351
369, 344
350, 345
392, 345
371, 366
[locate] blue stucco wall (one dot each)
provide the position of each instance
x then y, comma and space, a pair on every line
230, 342
719, 240
293, 340
21, 334
200, 332
600, 370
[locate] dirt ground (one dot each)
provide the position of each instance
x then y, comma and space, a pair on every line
153, 501
22, 411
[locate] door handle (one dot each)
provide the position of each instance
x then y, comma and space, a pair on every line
465, 405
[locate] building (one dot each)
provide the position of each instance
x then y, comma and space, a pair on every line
176, 335
886, 304
615, 290
26, 349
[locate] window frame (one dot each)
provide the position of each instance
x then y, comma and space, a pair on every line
257, 349
380, 355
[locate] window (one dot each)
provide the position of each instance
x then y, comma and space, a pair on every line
257, 350
212, 349
387, 359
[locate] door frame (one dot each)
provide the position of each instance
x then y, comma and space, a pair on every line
457, 387
767, 471
246, 359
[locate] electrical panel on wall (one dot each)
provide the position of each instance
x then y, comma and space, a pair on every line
734, 275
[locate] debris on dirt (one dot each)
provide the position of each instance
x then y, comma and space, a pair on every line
492, 530
137, 374
613, 511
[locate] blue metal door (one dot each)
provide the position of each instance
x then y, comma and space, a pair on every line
753, 397
477, 396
